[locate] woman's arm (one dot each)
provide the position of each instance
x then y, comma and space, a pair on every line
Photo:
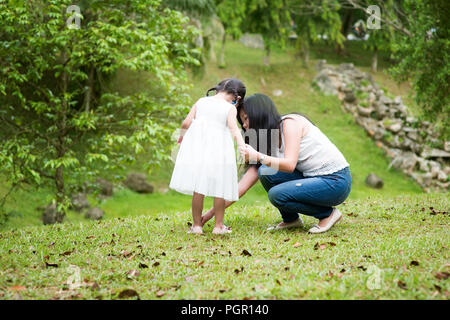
187, 122
248, 180
293, 134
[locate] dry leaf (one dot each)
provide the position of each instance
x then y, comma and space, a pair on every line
17, 288
414, 263
160, 293
402, 285
246, 253
442, 275
296, 245
128, 293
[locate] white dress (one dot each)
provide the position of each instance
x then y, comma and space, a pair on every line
206, 160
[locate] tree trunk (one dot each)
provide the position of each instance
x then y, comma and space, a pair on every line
266, 57
306, 55
222, 52
90, 91
60, 149
375, 60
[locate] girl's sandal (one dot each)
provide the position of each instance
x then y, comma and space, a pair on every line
195, 230
223, 230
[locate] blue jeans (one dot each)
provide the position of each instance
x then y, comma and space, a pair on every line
292, 193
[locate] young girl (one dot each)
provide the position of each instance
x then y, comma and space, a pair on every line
206, 161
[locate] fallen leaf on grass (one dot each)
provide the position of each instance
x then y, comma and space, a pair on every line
414, 263
238, 271
90, 237
438, 288
160, 293
17, 288
200, 263
179, 248
286, 240
223, 290
246, 253
128, 293
362, 268
132, 273
402, 285
278, 282
156, 264
54, 265
296, 245
143, 265
126, 253
442, 275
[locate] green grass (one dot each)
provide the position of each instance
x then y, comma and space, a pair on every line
153, 255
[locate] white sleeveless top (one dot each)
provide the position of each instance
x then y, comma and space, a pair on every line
317, 155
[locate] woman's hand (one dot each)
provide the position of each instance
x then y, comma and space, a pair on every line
207, 216
251, 154
180, 139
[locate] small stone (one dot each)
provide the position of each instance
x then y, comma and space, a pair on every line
277, 92
374, 181
80, 202
395, 127
94, 214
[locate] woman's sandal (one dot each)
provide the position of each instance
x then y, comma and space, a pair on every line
336, 217
223, 230
195, 230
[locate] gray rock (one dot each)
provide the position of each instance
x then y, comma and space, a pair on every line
447, 146
385, 100
442, 176
277, 92
106, 187
138, 182
398, 100
80, 202
435, 153
405, 161
321, 64
374, 181
324, 82
252, 40
51, 215
395, 127
349, 97
94, 214
423, 164
346, 67
365, 112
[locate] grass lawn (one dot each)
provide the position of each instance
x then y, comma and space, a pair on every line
382, 249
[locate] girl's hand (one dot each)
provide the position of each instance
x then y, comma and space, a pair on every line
180, 139
250, 153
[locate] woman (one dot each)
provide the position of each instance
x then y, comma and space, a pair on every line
306, 174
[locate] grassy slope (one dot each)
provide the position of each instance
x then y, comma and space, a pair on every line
386, 234
287, 74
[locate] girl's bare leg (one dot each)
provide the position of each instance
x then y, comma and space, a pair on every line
197, 208
219, 212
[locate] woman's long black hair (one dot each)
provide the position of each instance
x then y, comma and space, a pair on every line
262, 114
232, 86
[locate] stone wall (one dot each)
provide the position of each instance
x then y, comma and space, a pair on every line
412, 145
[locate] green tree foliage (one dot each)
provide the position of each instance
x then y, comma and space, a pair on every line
316, 21
232, 14
271, 19
60, 120
422, 54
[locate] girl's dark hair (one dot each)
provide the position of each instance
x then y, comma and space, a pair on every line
233, 86
262, 114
